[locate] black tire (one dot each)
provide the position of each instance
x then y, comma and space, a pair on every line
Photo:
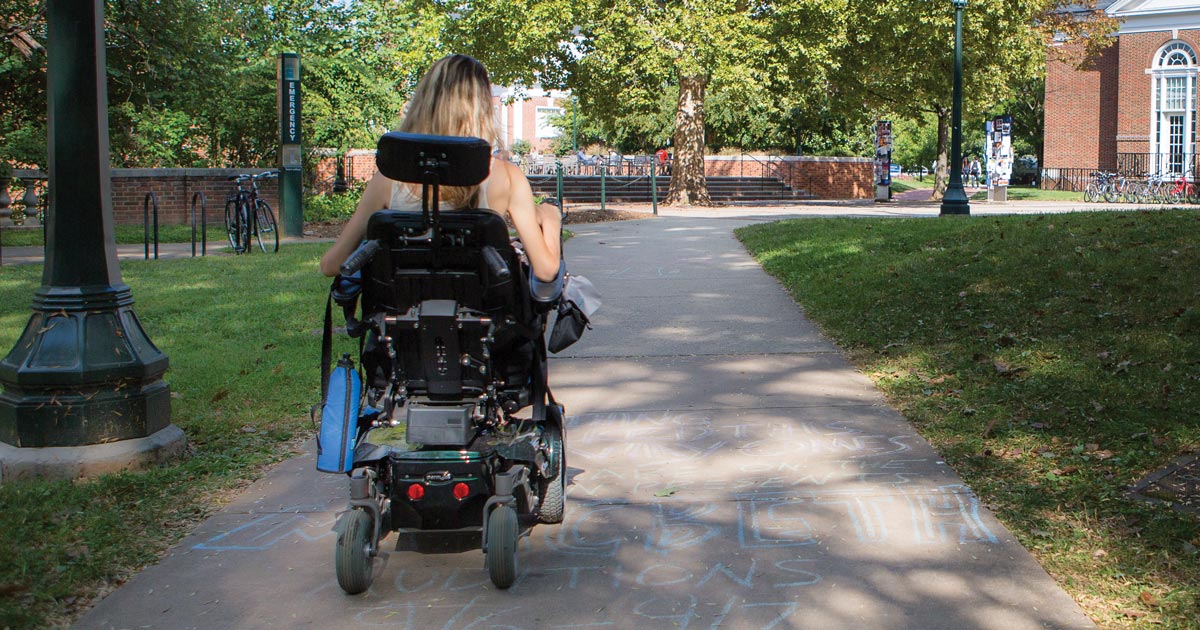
502, 546
352, 553
244, 227
231, 226
552, 493
1110, 193
1090, 194
266, 223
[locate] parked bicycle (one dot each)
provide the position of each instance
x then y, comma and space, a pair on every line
1102, 186
247, 216
1182, 191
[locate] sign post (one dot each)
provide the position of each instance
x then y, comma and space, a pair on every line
999, 157
883, 160
290, 156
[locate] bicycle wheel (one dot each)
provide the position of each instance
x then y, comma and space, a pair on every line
244, 226
265, 223
1091, 193
231, 223
1189, 194
1110, 192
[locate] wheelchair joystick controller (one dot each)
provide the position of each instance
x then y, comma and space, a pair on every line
360, 257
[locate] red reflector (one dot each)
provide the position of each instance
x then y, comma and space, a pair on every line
415, 492
461, 491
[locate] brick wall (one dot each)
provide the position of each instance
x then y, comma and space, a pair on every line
820, 177
174, 189
1081, 103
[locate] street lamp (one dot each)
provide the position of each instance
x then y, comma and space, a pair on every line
955, 200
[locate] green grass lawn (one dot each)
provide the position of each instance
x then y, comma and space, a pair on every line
1029, 193
905, 184
1051, 360
124, 234
243, 337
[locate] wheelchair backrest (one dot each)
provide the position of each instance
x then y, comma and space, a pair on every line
452, 280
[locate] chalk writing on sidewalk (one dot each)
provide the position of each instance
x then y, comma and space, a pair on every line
269, 530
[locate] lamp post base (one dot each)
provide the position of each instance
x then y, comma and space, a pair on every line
71, 462
955, 200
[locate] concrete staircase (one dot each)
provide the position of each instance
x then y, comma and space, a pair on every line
626, 189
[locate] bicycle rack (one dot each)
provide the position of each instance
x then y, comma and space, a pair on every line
199, 196
150, 200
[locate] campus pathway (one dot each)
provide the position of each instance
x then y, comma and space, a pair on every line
728, 469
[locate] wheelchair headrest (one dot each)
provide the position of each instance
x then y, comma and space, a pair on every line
411, 157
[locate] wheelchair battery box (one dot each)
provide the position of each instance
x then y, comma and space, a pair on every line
439, 425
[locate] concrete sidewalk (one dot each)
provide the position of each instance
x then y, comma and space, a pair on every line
728, 469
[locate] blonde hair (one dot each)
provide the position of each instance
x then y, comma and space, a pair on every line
454, 99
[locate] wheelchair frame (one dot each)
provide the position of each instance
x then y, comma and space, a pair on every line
452, 338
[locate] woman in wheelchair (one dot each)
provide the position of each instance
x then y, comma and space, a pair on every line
455, 99
453, 343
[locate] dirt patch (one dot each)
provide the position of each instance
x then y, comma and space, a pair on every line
600, 216
331, 229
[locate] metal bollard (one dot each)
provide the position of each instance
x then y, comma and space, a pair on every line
150, 199
654, 186
603, 194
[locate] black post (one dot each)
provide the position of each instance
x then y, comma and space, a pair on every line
955, 200
84, 375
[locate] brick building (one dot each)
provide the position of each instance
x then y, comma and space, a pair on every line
1131, 108
525, 115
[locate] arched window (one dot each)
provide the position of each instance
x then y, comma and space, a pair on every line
1173, 123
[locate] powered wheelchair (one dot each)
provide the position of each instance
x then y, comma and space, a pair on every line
452, 348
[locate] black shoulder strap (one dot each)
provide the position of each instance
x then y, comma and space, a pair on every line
326, 347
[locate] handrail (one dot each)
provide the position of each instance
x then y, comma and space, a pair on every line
200, 196
150, 198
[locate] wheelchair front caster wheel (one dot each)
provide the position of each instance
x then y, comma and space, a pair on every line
502, 546
352, 554
552, 492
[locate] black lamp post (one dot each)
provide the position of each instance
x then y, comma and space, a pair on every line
83, 389
955, 200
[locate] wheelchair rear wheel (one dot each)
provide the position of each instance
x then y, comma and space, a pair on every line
352, 554
502, 546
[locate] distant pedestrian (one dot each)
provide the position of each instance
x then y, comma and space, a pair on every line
974, 171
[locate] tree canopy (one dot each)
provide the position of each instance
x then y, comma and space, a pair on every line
192, 82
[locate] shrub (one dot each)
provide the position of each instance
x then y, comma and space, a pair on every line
330, 207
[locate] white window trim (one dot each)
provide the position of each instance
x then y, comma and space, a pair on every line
1159, 73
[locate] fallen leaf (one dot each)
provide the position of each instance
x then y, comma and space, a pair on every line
220, 395
1099, 553
1102, 455
1148, 598
1133, 613
666, 493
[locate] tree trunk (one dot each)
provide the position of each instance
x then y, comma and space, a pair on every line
942, 176
688, 185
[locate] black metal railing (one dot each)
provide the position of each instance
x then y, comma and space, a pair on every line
1069, 179
1174, 163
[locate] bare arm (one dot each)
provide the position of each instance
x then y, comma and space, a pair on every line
534, 226
376, 197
